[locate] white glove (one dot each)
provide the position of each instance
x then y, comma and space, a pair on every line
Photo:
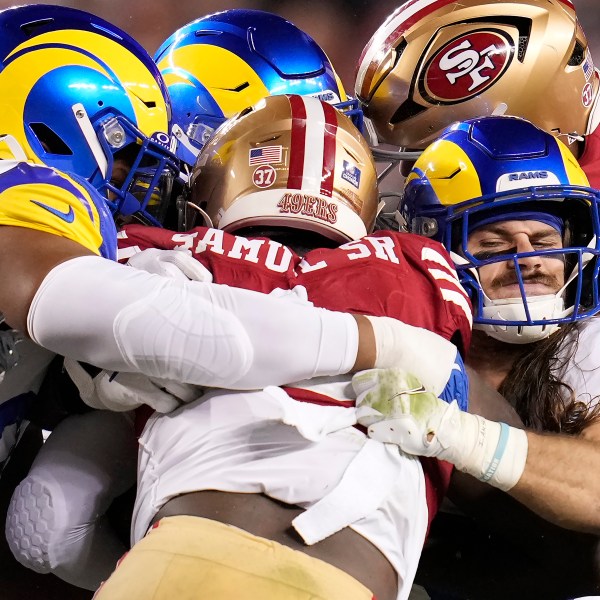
127, 391
176, 264
396, 408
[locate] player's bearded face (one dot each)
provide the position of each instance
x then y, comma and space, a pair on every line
541, 274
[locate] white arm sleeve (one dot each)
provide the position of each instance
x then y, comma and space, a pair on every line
124, 319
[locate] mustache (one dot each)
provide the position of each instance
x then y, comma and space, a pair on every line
550, 281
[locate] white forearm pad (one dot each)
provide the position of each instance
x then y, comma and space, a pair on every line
492, 452
123, 319
416, 350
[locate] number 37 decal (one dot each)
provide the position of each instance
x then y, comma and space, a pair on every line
264, 176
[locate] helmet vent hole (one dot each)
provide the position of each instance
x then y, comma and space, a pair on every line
150, 104
245, 111
51, 142
29, 29
353, 156
100, 103
577, 56
206, 33
406, 111
271, 138
523, 41
400, 50
241, 87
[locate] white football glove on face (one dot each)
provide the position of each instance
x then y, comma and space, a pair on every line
176, 264
396, 408
126, 391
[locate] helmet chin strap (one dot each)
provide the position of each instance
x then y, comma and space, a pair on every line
14, 147
87, 129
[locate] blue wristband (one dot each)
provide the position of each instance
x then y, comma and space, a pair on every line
498, 453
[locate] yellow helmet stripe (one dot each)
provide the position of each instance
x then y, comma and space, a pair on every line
144, 92
451, 185
224, 74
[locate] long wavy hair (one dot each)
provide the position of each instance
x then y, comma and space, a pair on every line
534, 386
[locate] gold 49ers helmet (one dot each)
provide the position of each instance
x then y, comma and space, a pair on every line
434, 62
289, 161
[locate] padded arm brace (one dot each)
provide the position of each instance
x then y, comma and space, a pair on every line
124, 319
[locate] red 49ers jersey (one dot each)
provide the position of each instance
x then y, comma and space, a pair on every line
590, 159
387, 273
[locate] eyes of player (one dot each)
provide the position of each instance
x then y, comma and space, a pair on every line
494, 241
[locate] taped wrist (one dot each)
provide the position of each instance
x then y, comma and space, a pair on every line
123, 319
492, 452
416, 350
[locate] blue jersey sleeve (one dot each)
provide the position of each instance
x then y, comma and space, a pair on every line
38, 197
457, 387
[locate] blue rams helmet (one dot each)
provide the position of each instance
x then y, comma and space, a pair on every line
78, 94
494, 169
220, 64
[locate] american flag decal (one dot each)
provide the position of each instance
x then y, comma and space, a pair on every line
266, 155
588, 65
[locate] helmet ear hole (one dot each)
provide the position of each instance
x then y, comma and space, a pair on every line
49, 140
578, 55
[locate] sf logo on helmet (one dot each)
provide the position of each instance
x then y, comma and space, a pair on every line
466, 66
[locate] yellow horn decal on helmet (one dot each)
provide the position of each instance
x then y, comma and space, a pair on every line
451, 184
233, 84
343, 96
90, 49
23, 73
574, 171
176, 77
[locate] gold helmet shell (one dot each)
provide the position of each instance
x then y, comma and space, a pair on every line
432, 63
289, 161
